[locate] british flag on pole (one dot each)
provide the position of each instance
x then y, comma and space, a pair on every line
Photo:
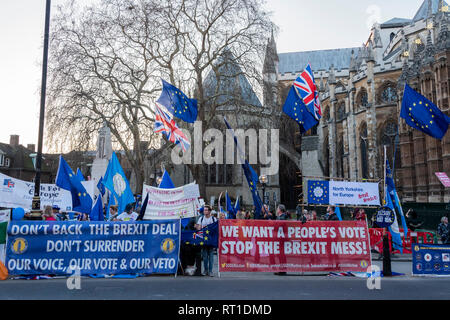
307, 90
164, 123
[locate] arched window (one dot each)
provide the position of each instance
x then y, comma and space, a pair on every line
389, 95
340, 112
340, 157
362, 100
364, 155
389, 138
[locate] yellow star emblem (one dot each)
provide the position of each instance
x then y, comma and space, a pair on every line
420, 102
79, 194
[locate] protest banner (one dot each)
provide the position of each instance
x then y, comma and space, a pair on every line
16, 193
431, 259
343, 193
277, 246
173, 203
100, 248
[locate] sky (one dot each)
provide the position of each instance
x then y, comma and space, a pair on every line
303, 25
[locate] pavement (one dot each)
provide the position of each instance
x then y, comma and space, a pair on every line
236, 286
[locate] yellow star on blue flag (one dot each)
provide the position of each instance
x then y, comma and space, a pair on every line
422, 114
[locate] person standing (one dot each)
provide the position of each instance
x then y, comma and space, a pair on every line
207, 251
331, 215
444, 231
281, 213
48, 214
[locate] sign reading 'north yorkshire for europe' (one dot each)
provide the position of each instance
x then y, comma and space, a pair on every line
343, 193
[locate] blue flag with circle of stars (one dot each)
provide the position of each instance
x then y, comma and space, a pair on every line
422, 114
318, 192
177, 103
67, 179
296, 109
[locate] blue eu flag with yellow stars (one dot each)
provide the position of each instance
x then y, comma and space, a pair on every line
422, 114
318, 192
296, 109
68, 180
207, 236
177, 103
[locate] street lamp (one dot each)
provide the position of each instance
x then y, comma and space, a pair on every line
263, 181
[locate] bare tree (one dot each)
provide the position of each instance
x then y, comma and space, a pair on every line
107, 61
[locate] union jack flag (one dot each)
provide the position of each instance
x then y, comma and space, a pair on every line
198, 234
307, 90
164, 123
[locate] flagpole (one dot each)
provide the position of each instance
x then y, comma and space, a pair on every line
36, 213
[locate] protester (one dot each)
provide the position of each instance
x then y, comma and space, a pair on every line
57, 214
281, 213
48, 214
331, 215
267, 214
207, 251
374, 221
412, 221
113, 212
128, 214
240, 215
314, 215
248, 215
444, 231
359, 214
222, 215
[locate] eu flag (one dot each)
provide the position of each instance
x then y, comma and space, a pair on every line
97, 211
296, 109
101, 186
80, 175
230, 208
116, 182
251, 176
166, 182
422, 114
177, 103
318, 192
67, 179
207, 236
392, 193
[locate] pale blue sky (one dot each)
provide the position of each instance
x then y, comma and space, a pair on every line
304, 25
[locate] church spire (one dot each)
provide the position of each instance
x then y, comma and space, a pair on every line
271, 58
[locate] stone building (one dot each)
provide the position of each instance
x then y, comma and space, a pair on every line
361, 90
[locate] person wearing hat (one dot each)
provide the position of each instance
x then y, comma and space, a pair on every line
128, 214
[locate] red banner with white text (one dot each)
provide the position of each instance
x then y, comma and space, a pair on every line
290, 246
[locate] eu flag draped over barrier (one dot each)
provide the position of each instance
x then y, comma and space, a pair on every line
207, 236
392, 192
66, 179
177, 103
422, 114
116, 182
296, 109
250, 175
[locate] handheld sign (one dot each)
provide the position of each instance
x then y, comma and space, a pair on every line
385, 217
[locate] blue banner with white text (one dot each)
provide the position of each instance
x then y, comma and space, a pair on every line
88, 248
431, 259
